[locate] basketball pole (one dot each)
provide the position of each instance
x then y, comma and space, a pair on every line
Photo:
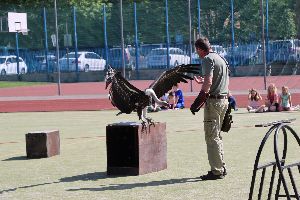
122, 39
57, 49
18, 55
263, 42
190, 39
232, 36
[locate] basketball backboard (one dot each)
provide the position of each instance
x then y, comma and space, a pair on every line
17, 22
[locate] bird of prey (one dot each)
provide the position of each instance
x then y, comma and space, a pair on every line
128, 98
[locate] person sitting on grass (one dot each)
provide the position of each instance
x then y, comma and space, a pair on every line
179, 100
286, 100
254, 102
272, 101
232, 101
153, 107
165, 97
172, 100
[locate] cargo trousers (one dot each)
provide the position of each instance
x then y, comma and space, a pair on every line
214, 113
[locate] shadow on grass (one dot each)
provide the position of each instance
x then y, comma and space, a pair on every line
86, 177
241, 113
16, 158
139, 185
27, 186
247, 113
103, 175
83, 177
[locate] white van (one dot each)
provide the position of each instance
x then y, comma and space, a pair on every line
8, 65
158, 57
219, 49
87, 61
284, 50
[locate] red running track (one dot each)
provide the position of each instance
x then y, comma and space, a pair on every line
93, 96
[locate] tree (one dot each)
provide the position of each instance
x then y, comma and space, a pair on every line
284, 20
297, 10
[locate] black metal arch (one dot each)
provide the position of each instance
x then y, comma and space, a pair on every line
278, 163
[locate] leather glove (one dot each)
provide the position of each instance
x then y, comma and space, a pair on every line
198, 102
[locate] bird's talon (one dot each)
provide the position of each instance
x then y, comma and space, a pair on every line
150, 122
144, 126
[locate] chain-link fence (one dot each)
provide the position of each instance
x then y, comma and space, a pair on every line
156, 36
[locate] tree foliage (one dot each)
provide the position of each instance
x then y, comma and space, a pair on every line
284, 20
297, 10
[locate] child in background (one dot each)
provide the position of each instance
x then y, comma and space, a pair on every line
165, 97
153, 107
272, 99
232, 101
254, 106
179, 99
171, 100
286, 99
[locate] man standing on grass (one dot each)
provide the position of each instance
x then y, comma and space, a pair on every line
214, 94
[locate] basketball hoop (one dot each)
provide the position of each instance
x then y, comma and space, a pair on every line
18, 29
23, 31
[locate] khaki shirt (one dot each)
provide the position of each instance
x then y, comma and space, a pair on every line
215, 66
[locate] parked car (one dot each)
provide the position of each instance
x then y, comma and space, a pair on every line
219, 49
115, 57
196, 59
157, 58
243, 55
87, 61
216, 48
40, 63
284, 50
8, 65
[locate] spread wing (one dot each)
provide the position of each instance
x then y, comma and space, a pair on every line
125, 96
175, 75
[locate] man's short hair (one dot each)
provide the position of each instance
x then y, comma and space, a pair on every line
203, 43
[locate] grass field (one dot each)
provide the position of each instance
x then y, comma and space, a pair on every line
9, 84
79, 172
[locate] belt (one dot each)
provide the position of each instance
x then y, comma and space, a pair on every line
218, 96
